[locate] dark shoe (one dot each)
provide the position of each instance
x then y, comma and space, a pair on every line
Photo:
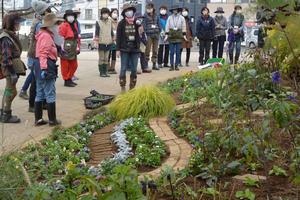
154, 67
132, 82
52, 115
23, 95
172, 68
160, 66
104, 75
112, 72
176, 68
31, 109
166, 65
69, 83
122, 82
187, 64
73, 83
147, 70
180, 65
7, 117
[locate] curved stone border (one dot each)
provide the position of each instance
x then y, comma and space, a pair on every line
180, 150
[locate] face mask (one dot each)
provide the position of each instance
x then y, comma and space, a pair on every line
139, 22
114, 15
129, 13
70, 19
105, 16
163, 12
219, 14
185, 13
238, 11
150, 10
205, 12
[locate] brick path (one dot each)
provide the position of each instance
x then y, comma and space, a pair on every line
180, 150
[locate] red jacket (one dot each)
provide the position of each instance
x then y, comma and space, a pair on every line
66, 31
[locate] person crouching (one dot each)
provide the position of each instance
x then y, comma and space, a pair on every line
104, 36
45, 70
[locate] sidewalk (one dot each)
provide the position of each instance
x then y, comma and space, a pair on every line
70, 108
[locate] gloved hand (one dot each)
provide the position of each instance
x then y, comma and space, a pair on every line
166, 38
14, 79
44, 74
196, 40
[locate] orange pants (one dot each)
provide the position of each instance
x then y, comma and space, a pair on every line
68, 68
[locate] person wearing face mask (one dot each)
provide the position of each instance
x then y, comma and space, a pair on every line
41, 9
152, 29
104, 36
205, 33
187, 44
11, 64
45, 70
70, 49
114, 14
163, 50
175, 33
128, 46
220, 37
236, 33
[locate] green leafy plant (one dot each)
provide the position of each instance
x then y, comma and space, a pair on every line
277, 171
146, 101
246, 194
251, 182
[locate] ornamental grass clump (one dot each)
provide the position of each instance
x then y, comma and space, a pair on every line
145, 101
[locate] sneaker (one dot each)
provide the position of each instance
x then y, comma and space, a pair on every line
41, 122
23, 95
147, 70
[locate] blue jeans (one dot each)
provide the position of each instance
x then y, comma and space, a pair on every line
129, 60
28, 81
175, 49
236, 44
45, 89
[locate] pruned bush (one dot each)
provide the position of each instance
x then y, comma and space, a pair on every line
146, 101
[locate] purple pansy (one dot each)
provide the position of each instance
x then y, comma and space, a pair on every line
276, 77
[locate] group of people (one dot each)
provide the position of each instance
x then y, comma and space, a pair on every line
156, 38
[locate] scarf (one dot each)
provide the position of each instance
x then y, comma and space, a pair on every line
130, 20
75, 32
15, 38
219, 20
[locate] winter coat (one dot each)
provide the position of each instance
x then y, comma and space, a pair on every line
128, 38
162, 23
189, 35
205, 29
10, 55
151, 25
115, 26
175, 28
221, 26
237, 20
71, 45
46, 52
104, 34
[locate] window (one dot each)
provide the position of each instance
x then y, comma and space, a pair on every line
192, 1
86, 35
88, 14
89, 26
217, 1
241, 1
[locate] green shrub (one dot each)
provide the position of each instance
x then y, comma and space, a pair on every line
145, 101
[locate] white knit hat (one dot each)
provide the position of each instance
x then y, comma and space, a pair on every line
39, 7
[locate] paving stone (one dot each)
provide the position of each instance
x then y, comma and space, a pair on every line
252, 176
170, 162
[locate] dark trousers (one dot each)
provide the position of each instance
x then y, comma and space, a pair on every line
188, 55
112, 55
236, 44
143, 61
218, 46
32, 92
204, 51
163, 54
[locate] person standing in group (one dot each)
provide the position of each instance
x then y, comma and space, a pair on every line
236, 33
220, 34
104, 36
187, 44
70, 49
45, 70
152, 29
114, 14
175, 33
205, 33
41, 9
128, 45
11, 64
163, 50
77, 13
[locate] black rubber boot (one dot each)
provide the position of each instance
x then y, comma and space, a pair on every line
172, 68
7, 117
231, 58
38, 113
69, 83
52, 115
132, 82
176, 68
105, 70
